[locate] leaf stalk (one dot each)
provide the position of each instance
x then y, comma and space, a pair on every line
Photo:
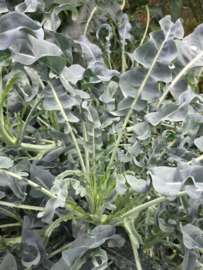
147, 26
135, 101
71, 130
43, 190
133, 212
22, 206
177, 78
10, 225
88, 21
85, 139
135, 252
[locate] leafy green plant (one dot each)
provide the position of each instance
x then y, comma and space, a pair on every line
98, 169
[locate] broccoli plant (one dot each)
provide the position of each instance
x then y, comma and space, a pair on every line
100, 168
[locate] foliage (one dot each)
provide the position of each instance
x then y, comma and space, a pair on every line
100, 159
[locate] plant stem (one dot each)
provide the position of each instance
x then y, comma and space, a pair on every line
135, 252
199, 158
94, 163
58, 250
123, 5
85, 139
54, 120
10, 225
88, 21
167, 125
42, 140
54, 253
177, 78
5, 136
11, 141
109, 61
77, 147
135, 101
9, 213
38, 148
147, 26
35, 208
169, 146
22, 133
43, 21
71, 130
133, 212
43, 122
123, 57
43, 190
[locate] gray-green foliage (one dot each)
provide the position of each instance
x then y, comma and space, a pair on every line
97, 157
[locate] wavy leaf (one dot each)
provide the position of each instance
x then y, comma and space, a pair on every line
86, 242
171, 111
3, 6
192, 236
139, 185
5, 162
62, 7
32, 245
27, 50
56, 222
62, 42
130, 228
190, 259
168, 181
59, 189
108, 38
27, 6
42, 178
56, 99
161, 49
199, 143
35, 84
8, 263
7, 88
124, 31
190, 54
12, 23
91, 52
52, 21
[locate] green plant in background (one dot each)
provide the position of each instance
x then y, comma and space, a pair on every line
101, 164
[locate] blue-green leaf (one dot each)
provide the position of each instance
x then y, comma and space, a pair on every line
192, 236
85, 242
8, 263
27, 6
5, 162
13, 22
62, 7
91, 52
27, 50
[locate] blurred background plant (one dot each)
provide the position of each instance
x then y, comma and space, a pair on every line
93, 13
144, 16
